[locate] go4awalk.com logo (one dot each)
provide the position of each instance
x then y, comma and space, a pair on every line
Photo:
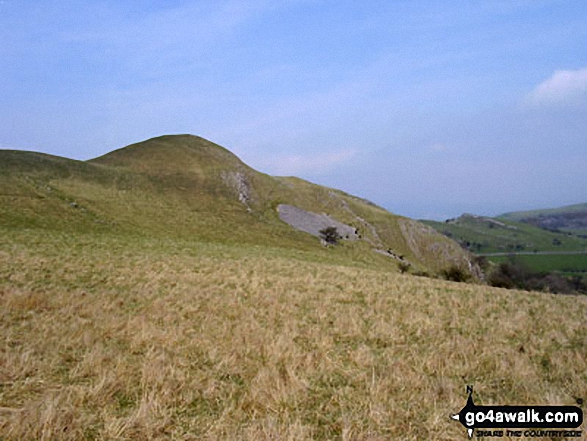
520, 421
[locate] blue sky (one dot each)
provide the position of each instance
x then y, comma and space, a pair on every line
428, 108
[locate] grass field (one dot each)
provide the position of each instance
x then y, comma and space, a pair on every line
120, 338
567, 263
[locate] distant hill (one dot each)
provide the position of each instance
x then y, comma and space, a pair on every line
571, 218
482, 234
183, 186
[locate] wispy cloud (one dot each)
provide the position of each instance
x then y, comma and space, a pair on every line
564, 87
165, 39
287, 165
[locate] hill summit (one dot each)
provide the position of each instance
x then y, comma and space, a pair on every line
172, 154
186, 187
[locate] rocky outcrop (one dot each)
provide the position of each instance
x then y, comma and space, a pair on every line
239, 182
312, 223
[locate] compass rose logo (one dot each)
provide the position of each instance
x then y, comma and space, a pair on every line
462, 415
519, 417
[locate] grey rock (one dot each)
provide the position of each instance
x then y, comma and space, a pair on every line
312, 223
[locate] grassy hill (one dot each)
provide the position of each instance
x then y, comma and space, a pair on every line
571, 218
185, 187
519, 215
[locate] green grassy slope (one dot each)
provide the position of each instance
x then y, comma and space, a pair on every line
187, 188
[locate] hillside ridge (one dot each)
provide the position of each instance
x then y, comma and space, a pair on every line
519, 214
569, 218
187, 187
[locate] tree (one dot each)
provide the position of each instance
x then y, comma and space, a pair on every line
330, 235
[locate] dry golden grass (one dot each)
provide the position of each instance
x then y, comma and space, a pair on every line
109, 340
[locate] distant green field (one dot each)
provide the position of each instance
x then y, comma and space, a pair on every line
567, 263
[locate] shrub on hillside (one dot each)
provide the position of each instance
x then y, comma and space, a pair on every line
455, 274
481, 262
330, 235
579, 283
403, 266
555, 283
510, 274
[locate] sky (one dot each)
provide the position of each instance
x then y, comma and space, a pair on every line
430, 109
